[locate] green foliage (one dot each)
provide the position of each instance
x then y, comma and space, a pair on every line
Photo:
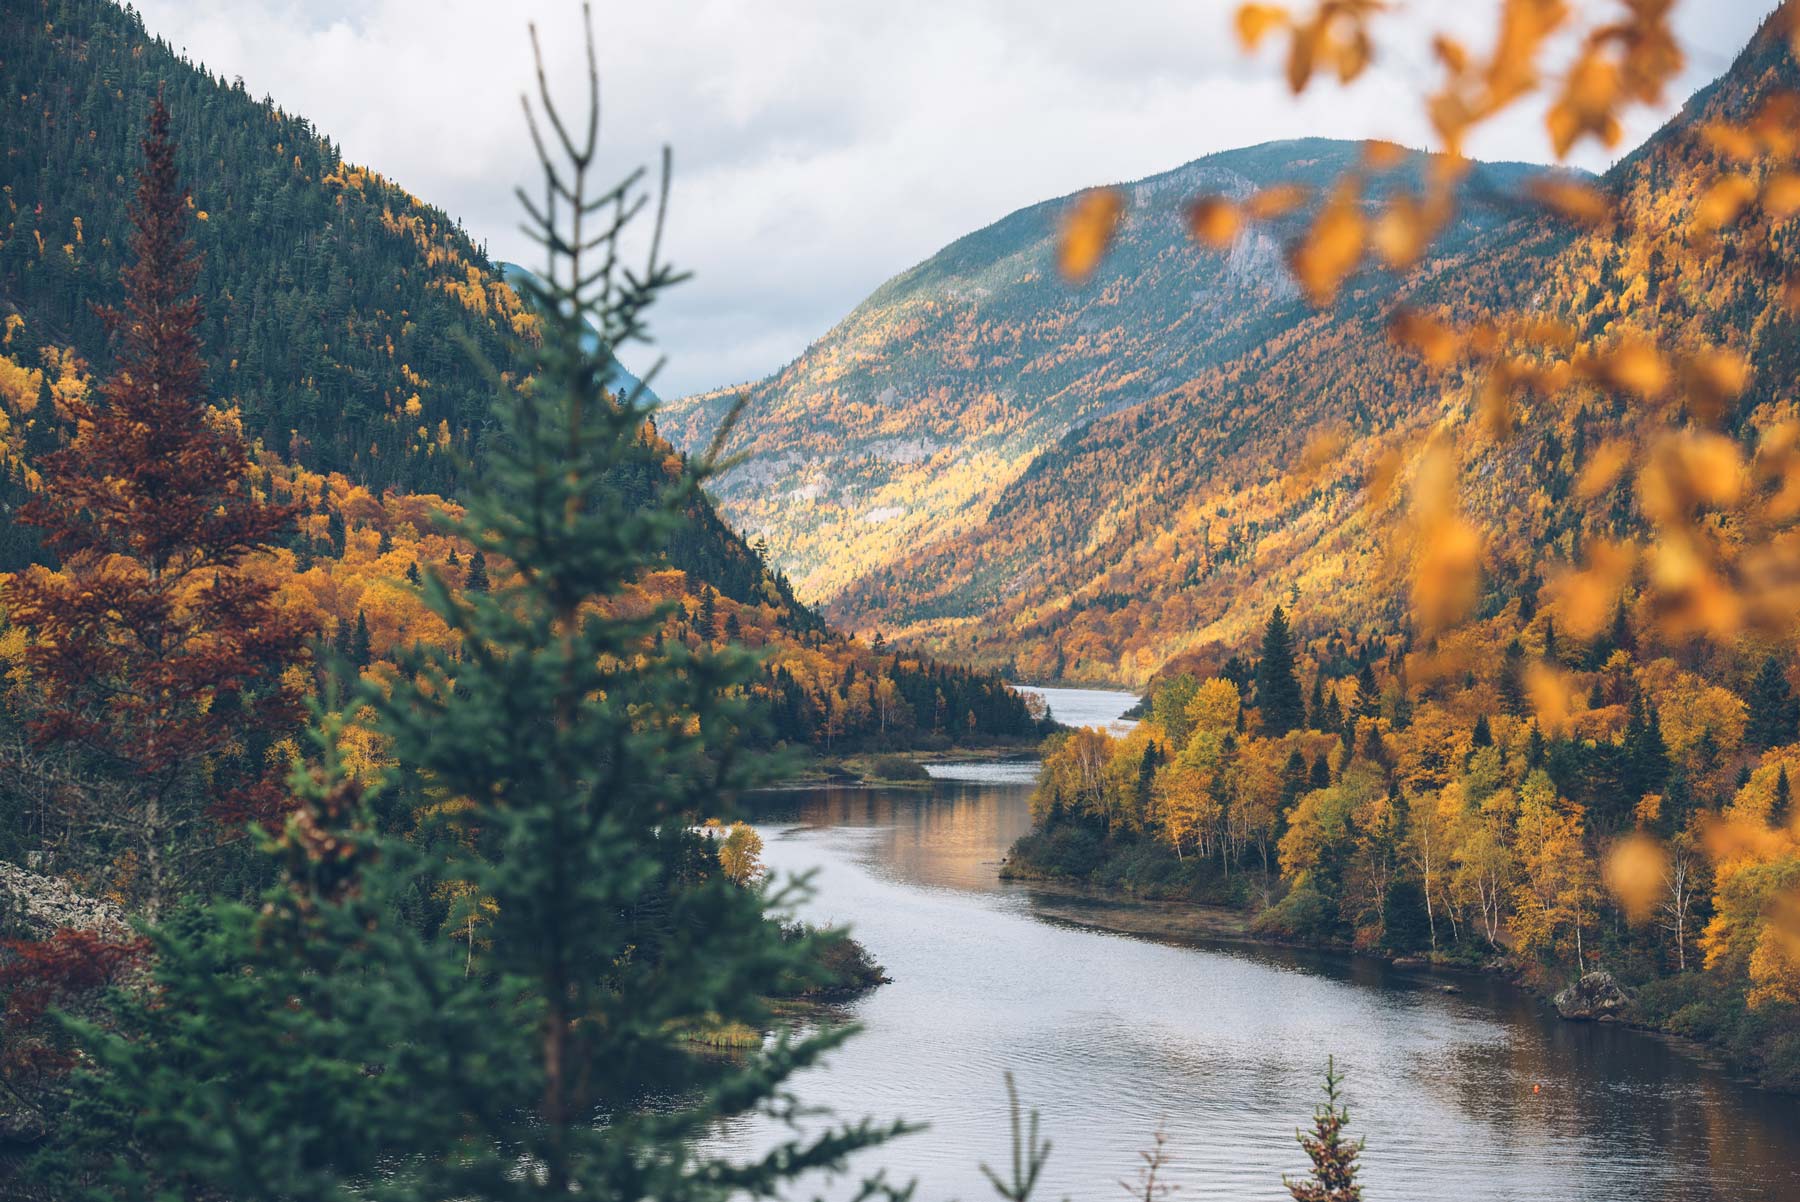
1405, 926
1277, 687
324, 1047
1305, 915
1334, 1167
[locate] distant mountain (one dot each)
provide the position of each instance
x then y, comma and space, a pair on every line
1175, 524
622, 380
903, 425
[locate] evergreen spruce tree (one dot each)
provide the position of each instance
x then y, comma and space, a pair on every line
1334, 1167
1368, 693
1333, 721
1781, 808
325, 1046
1293, 784
477, 579
1774, 712
362, 652
1277, 688
1512, 678
1483, 734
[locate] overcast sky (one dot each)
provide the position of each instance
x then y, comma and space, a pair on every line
821, 146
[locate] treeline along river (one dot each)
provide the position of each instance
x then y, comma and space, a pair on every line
1477, 1094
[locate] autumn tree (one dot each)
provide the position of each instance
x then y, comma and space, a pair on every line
152, 648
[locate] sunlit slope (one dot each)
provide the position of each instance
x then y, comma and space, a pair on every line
900, 427
1178, 523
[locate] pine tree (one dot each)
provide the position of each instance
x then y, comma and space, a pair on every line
321, 1046
1277, 688
1483, 734
1333, 720
477, 579
152, 627
1368, 693
1780, 808
1334, 1167
1293, 783
1774, 712
362, 653
1512, 678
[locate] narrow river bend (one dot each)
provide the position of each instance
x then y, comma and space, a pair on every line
1220, 1043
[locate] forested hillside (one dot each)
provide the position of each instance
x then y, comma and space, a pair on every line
333, 305
1174, 526
904, 424
1535, 520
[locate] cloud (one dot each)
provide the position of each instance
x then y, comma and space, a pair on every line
822, 147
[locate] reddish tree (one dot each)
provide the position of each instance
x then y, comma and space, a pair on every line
69, 970
153, 649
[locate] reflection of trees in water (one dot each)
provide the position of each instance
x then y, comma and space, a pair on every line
1618, 1108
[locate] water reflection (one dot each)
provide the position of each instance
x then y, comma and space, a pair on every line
1111, 1034
1086, 707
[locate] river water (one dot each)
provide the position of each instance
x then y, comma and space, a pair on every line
1480, 1094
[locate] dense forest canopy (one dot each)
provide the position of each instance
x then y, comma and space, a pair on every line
352, 331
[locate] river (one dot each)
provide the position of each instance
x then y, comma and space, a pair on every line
1481, 1094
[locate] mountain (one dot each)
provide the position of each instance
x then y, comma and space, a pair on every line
1170, 512
338, 314
904, 424
621, 380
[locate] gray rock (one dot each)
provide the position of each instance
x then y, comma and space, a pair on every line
1596, 997
33, 906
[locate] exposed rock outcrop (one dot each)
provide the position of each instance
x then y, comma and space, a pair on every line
33, 906
1596, 997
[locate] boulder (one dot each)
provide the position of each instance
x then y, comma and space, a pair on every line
1596, 997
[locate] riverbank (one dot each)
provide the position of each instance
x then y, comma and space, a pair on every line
1691, 1012
903, 769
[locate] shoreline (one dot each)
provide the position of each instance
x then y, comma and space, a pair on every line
1189, 923
865, 769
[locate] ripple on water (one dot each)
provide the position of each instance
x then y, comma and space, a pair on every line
990, 772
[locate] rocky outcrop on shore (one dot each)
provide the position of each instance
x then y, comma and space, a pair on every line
1596, 997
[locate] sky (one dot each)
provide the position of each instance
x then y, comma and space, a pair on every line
822, 146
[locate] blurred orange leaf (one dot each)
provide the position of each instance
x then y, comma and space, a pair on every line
1633, 871
1214, 221
1278, 201
1257, 21
1332, 248
1434, 341
1577, 201
1603, 467
1087, 232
